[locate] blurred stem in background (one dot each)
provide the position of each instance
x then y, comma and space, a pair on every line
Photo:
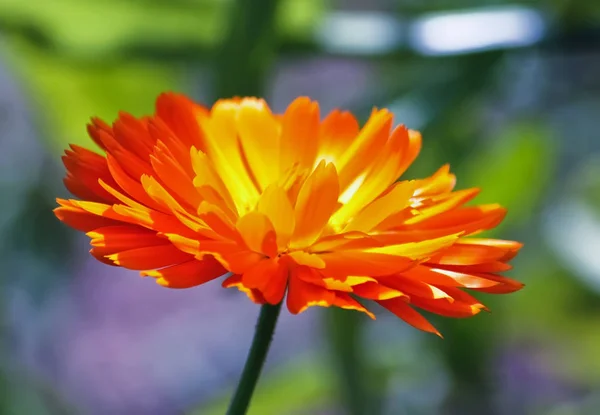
248, 51
345, 333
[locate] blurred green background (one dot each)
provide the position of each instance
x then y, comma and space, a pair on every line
507, 92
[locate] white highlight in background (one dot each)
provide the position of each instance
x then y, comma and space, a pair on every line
476, 30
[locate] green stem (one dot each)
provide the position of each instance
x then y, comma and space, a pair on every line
248, 50
256, 359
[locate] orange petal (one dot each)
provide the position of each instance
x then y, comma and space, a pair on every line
259, 135
225, 251
130, 186
442, 181
188, 245
303, 294
373, 214
469, 280
465, 254
447, 278
160, 131
173, 176
133, 165
239, 262
188, 274
399, 238
400, 307
336, 133
217, 220
382, 172
505, 285
100, 255
306, 258
124, 237
337, 242
316, 202
79, 219
494, 266
299, 133
361, 153
275, 205
410, 149
466, 220
376, 291
511, 248
415, 288
344, 284
222, 147
456, 309
157, 221
256, 230
159, 194
459, 294
275, 289
269, 277
419, 250
116, 212
209, 185
84, 169
346, 302
121, 197
236, 281
447, 203
95, 127
149, 257
180, 114
342, 264
186, 217
133, 135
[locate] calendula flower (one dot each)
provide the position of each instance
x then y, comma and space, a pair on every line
288, 205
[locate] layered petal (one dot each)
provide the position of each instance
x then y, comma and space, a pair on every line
304, 294
187, 274
299, 128
269, 277
316, 202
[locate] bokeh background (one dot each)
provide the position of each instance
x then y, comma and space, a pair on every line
507, 92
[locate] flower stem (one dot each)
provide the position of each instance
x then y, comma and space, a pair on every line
255, 360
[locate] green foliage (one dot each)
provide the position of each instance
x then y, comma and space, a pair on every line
514, 169
65, 96
92, 29
22, 393
95, 31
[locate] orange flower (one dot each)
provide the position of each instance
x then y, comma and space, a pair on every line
284, 203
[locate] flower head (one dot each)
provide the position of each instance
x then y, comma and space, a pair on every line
284, 203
